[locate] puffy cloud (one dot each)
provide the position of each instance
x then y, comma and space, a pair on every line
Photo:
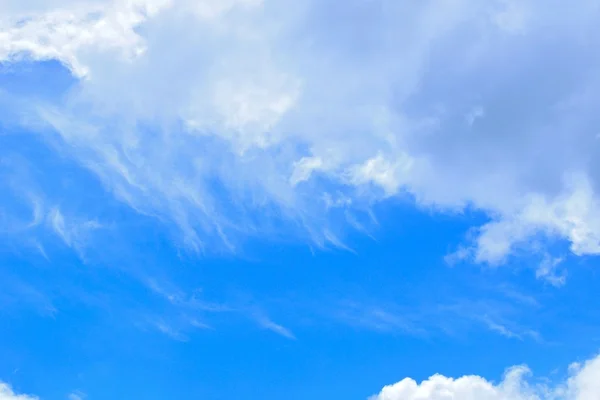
582, 384
283, 107
6, 393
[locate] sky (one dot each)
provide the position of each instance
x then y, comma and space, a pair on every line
299, 199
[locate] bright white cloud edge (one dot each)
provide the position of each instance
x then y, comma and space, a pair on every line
583, 383
7, 393
461, 104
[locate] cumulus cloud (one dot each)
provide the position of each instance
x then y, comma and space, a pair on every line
6, 393
583, 383
284, 107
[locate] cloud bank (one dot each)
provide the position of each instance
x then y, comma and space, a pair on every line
583, 383
229, 118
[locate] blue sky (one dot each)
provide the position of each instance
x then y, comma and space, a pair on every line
267, 199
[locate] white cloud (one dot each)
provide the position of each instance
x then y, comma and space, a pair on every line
77, 395
72, 232
474, 114
179, 102
29, 210
7, 393
582, 384
547, 271
387, 175
507, 332
281, 330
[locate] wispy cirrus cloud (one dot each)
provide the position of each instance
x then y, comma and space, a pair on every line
270, 325
446, 316
548, 271
31, 213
